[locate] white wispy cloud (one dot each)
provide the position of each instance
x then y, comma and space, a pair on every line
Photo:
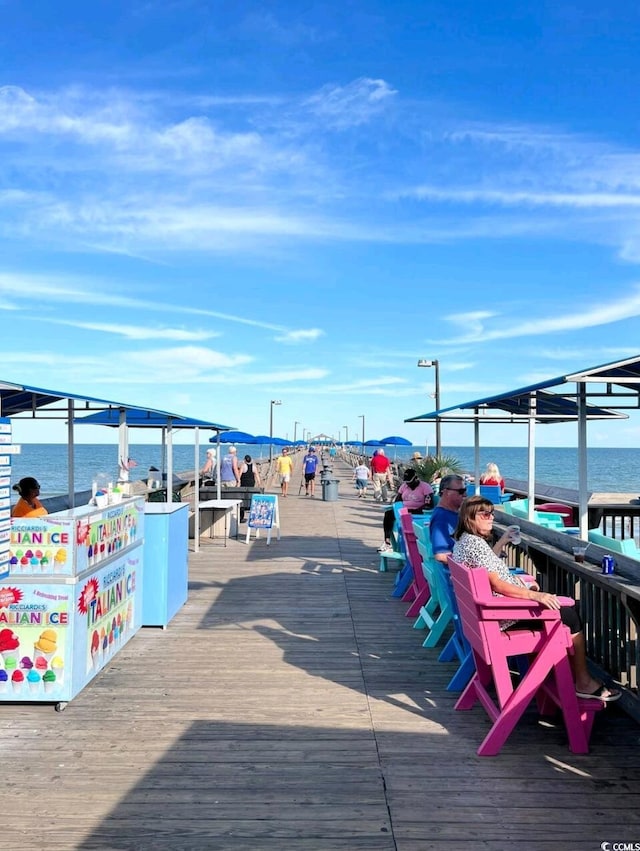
69, 290
172, 365
308, 335
577, 318
343, 107
515, 198
134, 332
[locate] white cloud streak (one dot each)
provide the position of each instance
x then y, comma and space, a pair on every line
70, 291
604, 313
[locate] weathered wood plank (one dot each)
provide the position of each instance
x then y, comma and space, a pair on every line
290, 705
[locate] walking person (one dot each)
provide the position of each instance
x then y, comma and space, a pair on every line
381, 475
309, 467
284, 468
361, 477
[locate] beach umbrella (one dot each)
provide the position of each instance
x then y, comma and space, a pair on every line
395, 441
372, 443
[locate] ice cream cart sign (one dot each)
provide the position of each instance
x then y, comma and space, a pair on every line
107, 533
33, 642
40, 546
107, 604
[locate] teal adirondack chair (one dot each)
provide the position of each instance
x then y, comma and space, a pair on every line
437, 614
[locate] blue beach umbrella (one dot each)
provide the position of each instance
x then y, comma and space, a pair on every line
371, 443
233, 437
394, 440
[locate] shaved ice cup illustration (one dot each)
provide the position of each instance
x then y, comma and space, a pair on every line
96, 656
49, 681
9, 647
33, 681
57, 666
46, 646
17, 680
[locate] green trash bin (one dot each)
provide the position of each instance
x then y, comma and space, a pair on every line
330, 490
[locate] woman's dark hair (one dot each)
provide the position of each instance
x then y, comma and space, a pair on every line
410, 478
247, 458
469, 509
25, 485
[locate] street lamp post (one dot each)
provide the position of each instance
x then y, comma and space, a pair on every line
346, 431
273, 402
295, 426
361, 416
435, 363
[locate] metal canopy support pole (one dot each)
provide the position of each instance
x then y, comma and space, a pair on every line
123, 445
163, 452
196, 496
583, 498
169, 460
71, 456
218, 486
532, 454
476, 450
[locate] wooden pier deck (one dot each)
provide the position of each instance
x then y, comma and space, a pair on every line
290, 705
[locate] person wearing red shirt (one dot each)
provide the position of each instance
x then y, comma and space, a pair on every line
380, 475
491, 476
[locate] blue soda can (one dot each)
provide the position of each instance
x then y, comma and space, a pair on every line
608, 563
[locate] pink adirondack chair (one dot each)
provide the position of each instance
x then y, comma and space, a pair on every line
419, 591
548, 677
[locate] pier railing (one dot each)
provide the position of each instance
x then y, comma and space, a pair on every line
609, 604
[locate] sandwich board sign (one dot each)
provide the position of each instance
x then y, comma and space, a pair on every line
263, 514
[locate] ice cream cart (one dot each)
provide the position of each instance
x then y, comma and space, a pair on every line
71, 601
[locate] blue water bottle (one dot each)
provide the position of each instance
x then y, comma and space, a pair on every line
608, 564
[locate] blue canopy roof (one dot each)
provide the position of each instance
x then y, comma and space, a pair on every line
136, 418
22, 398
562, 406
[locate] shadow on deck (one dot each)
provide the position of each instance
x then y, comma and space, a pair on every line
291, 705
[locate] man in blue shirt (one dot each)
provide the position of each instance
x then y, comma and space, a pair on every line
445, 516
309, 467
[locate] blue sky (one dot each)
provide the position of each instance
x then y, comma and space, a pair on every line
206, 206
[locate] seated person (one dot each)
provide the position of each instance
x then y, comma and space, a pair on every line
208, 472
491, 476
474, 530
416, 496
444, 519
28, 505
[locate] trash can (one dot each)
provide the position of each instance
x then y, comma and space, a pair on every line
330, 490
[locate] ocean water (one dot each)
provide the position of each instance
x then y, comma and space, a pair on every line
608, 469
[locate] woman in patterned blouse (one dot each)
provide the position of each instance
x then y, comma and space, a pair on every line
475, 530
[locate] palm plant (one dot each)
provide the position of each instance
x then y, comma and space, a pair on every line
436, 466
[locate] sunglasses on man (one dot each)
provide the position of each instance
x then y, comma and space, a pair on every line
461, 491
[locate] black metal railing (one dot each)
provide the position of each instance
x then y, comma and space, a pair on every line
609, 604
